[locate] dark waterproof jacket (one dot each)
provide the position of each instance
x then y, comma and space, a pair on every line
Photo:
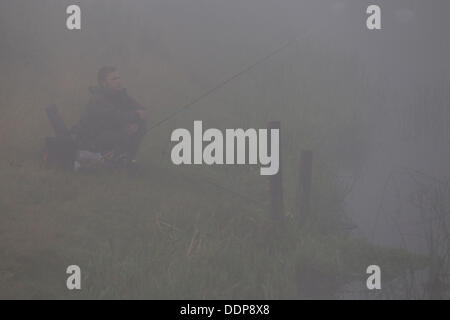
106, 112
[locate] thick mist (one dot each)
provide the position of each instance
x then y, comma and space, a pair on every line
373, 106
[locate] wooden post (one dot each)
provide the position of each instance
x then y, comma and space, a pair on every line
276, 182
305, 177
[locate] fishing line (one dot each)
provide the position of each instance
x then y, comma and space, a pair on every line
228, 80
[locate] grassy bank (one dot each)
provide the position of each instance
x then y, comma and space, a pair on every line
158, 235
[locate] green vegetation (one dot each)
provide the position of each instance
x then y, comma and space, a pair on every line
154, 236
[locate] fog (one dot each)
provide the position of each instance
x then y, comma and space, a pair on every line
373, 106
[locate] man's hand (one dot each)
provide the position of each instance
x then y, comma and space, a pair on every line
132, 129
142, 114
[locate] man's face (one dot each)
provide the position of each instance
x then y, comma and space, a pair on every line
112, 82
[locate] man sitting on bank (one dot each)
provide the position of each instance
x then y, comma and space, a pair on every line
113, 123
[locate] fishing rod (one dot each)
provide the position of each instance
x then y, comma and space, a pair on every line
228, 80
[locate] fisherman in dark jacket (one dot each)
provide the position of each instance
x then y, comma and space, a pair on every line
113, 123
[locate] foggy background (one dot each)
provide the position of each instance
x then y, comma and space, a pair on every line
372, 105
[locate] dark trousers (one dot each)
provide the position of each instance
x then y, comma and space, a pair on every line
120, 141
